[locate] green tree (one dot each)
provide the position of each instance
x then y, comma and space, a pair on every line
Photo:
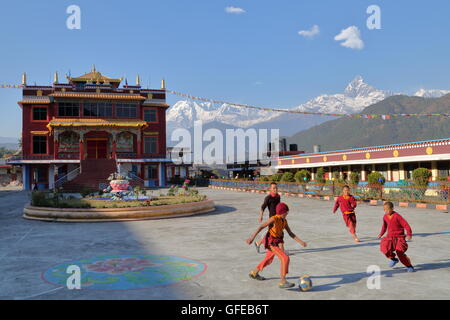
354, 178
376, 178
320, 176
302, 176
276, 177
287, 177
421, 176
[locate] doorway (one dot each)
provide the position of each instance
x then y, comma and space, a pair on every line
97, 148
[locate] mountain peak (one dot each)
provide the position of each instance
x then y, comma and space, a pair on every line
357, 87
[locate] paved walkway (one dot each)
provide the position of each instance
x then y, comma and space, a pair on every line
338, 266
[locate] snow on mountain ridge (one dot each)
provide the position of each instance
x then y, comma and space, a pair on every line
433, 93
356, 96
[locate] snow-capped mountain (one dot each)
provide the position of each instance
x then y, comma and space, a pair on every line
356, 96
433, 93
185, 112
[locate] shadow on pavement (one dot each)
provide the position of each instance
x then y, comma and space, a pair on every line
347, 278
220, 209
361, 244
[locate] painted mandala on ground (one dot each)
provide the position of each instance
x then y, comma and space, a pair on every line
127, 272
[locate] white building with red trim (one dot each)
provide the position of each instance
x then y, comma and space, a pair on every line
396, 162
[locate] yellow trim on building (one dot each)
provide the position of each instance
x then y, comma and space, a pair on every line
109, 96
95, 123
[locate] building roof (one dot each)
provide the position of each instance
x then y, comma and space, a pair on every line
155, 102
35, 100
95, 123
94, 77
403, 152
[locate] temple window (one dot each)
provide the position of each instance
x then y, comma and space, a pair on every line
150, 144
40, 114
97, 109
126, 110
150, 115
68, 109
39, 144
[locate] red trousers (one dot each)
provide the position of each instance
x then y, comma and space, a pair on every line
350, 222
392, 245
270, 254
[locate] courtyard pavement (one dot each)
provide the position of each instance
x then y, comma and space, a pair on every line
338, 266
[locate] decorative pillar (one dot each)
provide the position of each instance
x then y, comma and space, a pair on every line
434, 171
51, 176
139, 144
141, 171
26, 177
81, 145
363, 173
161, 175
55, 143
114, 149
401, 171
389, 172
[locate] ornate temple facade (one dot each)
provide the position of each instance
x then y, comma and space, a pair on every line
75, 134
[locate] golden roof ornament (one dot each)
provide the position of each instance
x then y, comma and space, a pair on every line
138, 80
163, 84
55, 77
24, 79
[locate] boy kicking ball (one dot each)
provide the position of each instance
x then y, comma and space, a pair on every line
395, 241
347, 203
273, 244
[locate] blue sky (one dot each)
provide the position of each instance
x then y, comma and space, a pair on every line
256, 57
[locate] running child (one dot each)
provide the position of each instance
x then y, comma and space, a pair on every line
395, 241
270, 201
347, 203
273, 242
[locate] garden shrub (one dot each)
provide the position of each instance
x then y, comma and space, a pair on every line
276, 177
376, 178
287, 177
320, 176
354, 178
302, 176
421, 176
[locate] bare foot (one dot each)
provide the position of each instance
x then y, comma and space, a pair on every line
356, 239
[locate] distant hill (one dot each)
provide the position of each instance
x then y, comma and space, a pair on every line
9, 143
345, 133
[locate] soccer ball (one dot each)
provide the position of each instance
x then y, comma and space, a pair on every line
305, 283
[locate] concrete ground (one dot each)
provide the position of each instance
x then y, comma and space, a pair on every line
337, 265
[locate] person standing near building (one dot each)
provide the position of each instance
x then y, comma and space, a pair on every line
347, 203
270, 202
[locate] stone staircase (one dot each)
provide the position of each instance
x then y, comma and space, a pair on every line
94, 172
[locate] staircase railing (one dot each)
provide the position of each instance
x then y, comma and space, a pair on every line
136, 178
67, 177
